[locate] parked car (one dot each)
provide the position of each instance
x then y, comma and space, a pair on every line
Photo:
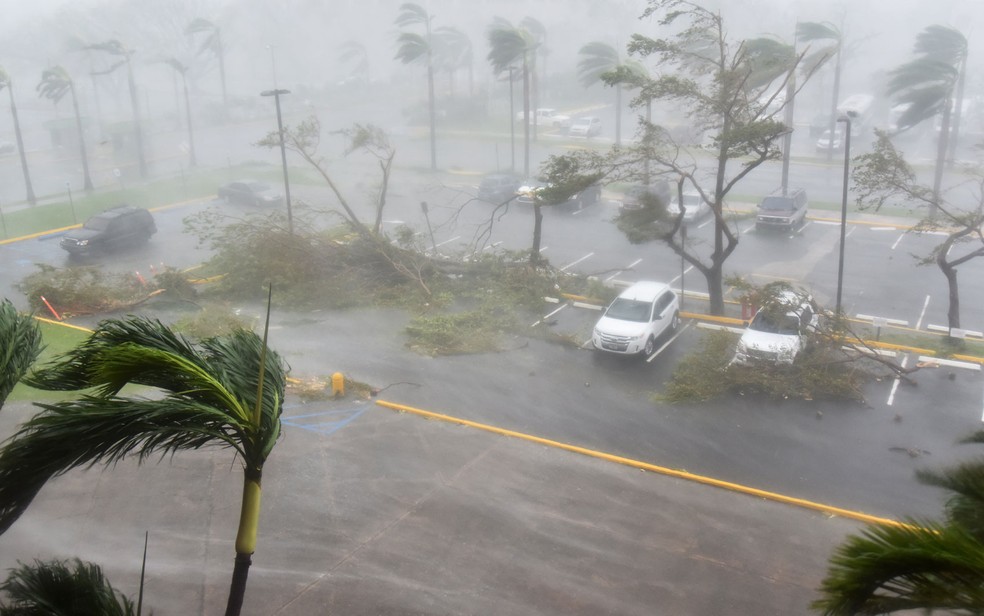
819, 124
530, 188
827, 142
694, 207
636, 196
586, 126
637, 318
546, 117
114, 228
250, 192
779, 330
498, 187
782, 211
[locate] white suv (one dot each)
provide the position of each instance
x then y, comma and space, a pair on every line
778, 331
637, 318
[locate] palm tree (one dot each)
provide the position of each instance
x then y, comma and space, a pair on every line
354, 50
20, 345
416, 48
59, 587
537, 34
182, 69
55, 83
916, 565
6, 82
598, 58
226, 391
212, 43
116, 48
509, 45
454, 51
808, 32
932, 85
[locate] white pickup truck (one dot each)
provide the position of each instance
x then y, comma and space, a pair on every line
547, 117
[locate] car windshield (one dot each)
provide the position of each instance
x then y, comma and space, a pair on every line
764, 321
777, 203
582, 122
692, 200
629, 310
258, 187
97, 224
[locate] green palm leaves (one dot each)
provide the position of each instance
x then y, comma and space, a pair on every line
205, 394
62, 589
20, 345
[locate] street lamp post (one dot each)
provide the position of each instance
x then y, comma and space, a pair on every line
283, 153
71, 203
846, 119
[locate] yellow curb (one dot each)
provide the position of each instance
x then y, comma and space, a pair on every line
734, 487
63, 324
31, 236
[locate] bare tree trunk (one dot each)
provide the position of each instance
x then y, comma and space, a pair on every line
537, 231
953, 310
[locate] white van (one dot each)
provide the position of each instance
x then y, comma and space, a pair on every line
637, 318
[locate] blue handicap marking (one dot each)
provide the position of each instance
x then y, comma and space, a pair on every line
323, 422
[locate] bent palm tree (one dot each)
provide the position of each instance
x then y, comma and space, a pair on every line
55, 84
182, 69
932, 85
58, 587
598, 58
416, 48
6, 82
212, 43
116, 48
808, 32
226, 391
509, 45
916, 566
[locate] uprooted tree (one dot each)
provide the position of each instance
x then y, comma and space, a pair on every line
883, 176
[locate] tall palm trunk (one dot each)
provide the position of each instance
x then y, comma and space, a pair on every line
618, 114
192, 161
941, 149
20, 147
526, 116
81, 135
432, 112
249, 519
957, 113
137, 128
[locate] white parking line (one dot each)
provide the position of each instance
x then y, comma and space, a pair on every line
549, 315
923, 313
587, 256
901, 235
685, 272
705, 223
895, 384
884, 228
853, 229
668, 342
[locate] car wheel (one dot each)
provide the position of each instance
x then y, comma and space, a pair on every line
650, 347
675, 321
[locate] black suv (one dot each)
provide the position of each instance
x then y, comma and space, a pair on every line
498, 188
120, 226
785, 212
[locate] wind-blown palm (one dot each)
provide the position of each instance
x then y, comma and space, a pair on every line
599, 58
454, 51
116, 48
507, 46
809, 32
55, 84
20, 345
918, 565
416, 48
62, 588
213, 44
6, 82
210, 393
355, 52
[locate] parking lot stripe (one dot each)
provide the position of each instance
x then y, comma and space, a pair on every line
662, 470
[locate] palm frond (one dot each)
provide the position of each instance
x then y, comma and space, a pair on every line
807, 31
767, 59
411, 48
506, 46
597, 58
410, 13
200, 25
62, 587
942, 43
113, 47
20, 345
965, 506
920, 566
94, 430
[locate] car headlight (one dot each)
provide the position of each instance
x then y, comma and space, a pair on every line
83, 242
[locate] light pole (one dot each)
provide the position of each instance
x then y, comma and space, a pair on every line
846, 119
273, 65
283, 153
512, 126
71, 203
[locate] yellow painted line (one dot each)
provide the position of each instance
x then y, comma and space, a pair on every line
53, 322
38, 234
701, 479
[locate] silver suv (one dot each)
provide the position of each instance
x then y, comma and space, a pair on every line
784, 212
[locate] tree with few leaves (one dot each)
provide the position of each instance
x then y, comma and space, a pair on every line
226, 391
722, 85
117, 49
598, 59
212, 43
917, 565
883, 175
932, 85
7, 82
414, 48
509, 46
55, 84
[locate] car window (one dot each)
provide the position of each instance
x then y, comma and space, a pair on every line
777, 203
258, 186
764, 321
665, 300
97, 224
629, 310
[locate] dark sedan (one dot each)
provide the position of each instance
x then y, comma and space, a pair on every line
250, 192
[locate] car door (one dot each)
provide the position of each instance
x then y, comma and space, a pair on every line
661, 320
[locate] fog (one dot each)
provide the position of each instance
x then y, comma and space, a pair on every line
296, 44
